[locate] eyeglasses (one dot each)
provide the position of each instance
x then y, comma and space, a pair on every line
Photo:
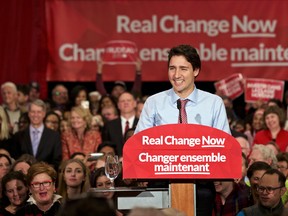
57, 93
268, 190
44, 184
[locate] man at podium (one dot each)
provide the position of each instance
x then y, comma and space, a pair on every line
185, 104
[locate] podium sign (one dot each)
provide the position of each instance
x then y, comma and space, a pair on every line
182, 151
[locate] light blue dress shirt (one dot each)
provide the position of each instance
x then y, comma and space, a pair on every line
202, 108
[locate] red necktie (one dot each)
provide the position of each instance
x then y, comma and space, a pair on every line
183, 116
126, 126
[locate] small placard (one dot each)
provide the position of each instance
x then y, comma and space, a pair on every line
182, 151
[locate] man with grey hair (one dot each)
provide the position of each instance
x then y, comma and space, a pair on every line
37, 140
263, 153
9, 98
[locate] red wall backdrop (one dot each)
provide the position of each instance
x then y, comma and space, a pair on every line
23, 44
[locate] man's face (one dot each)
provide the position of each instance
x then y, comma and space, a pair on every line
271, 198
34, 94
256, 156
182, 76
60, 95
223, 186
282, 166
36, 115
109, 113
9, 96
126, 103
22, 99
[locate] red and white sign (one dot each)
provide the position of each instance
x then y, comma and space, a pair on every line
182, 151
231, 87
231, 37
120, 52
263, 90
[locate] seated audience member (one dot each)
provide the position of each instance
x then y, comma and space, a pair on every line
270, 189
254, 173
262, 153
38, 140
282, 166
274, 121
74, 179
88, 206
41, 179
23, 163
52, 121
230, 198
14, 192
5, 164
80, 138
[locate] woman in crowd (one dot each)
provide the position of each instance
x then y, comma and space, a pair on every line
23, 121
5, 136
80, 138
5, 164
41, 179
52, 121
14, 193
23, 163
74, 179
78, 94
274, 121
100, 180
106, 100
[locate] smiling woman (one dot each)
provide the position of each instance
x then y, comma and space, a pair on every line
41, 182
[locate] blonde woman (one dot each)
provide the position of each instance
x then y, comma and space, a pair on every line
73, 179
5, 136
80, 138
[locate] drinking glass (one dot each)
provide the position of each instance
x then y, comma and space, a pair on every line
112, 168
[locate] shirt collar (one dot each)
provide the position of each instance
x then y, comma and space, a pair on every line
40, 129
192, 97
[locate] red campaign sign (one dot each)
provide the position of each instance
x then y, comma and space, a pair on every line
231, 87
231, 37
263, 90
120, 52
182, 151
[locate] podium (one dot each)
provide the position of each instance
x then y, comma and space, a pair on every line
182, 153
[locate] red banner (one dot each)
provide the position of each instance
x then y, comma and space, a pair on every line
182, 151
263, 90
231, 37
231, 87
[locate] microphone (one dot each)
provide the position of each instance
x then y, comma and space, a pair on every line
179, 108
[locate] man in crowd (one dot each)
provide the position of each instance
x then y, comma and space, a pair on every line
114, 130
271, 187
201, 107
37, 140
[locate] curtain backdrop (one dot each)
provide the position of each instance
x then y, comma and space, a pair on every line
23, 46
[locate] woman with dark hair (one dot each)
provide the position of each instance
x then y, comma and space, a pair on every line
78, 94
52, 121
23, 163
5, 164
274, 121
14, 192
74, 179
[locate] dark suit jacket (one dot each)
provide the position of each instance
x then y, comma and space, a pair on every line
113, 132
49, 149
